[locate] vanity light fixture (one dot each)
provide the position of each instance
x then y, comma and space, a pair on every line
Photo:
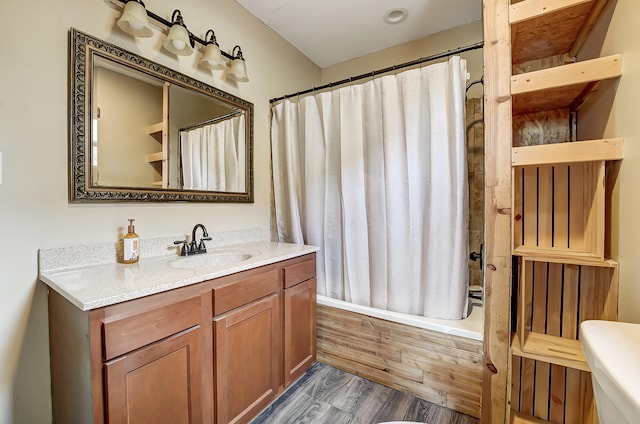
212, 57
179, 39
238, 69
134, 19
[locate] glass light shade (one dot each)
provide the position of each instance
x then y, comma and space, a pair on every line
239, 70
212, 58
134, 20
177, 41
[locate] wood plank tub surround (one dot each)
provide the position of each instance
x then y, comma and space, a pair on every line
437, 367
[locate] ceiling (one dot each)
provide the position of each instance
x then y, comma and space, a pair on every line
333, 31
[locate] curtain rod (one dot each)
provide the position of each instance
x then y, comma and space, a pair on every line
436, 56
211, 121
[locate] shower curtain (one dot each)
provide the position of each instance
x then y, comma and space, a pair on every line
376, 175
213, 156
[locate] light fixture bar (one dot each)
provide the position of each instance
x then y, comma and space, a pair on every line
168, 25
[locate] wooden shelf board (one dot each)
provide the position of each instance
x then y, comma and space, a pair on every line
549, 9
547, 254
544, 28
155, 157
550, 99
551, 349
562, 87
577, 73
607, 263
570, 152
520, 418
155, 128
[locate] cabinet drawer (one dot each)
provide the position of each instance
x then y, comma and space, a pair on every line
238, 293
294, 274
126, 334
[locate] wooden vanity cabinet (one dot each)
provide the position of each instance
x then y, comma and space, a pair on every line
299, 299
212, 352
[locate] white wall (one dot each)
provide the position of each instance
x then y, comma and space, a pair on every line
446, 40
613, 112
34, 210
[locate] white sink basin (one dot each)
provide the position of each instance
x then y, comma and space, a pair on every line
612, 350
212, 259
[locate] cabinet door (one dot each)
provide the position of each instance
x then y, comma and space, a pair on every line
246, 351
160, 383
299, 329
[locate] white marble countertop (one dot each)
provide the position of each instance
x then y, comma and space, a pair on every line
96, 285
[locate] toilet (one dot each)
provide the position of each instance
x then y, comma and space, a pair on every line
612, 350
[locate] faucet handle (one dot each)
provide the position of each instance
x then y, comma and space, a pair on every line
183, 249
201, 247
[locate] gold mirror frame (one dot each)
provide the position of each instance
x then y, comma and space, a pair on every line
83, 50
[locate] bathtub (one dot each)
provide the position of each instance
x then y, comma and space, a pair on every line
470, 327
436, 360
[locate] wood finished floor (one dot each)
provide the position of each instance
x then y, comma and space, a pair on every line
326, 395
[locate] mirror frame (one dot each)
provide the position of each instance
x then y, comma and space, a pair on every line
83, 49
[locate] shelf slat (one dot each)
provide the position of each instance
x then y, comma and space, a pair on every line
544, 28
551, 349
154, 157
520, 418
570, 152
562, 259
562, 87
532, 9
550, 254
155, 128
573, 74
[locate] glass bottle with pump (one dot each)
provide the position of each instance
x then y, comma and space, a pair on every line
131, 245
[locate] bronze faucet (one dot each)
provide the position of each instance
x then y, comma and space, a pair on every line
194, 248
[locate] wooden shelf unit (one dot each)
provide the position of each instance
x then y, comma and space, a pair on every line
160, 132
560, 194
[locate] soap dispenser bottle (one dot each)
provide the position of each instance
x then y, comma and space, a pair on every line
131, 243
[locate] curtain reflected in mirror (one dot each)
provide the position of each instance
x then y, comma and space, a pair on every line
213, 154
137, 142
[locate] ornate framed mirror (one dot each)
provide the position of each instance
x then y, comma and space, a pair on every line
140, 131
